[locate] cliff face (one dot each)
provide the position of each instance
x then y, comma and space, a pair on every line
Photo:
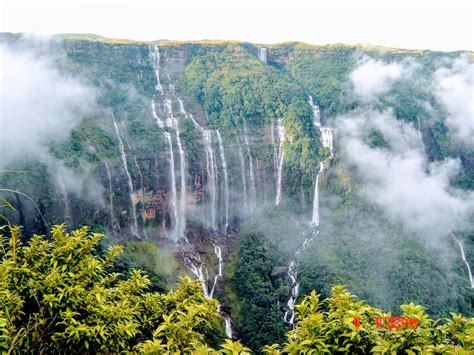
224, 152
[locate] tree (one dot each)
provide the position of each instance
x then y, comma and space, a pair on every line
58, 295
343, 324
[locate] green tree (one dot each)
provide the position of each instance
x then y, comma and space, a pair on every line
343, 324
58, 295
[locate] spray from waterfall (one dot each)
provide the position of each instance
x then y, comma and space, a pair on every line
211, 177
131, 193
281, 157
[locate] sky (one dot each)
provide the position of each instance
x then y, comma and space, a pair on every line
418, 24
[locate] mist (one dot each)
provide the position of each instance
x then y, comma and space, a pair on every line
39, 105
454, 88
412, 191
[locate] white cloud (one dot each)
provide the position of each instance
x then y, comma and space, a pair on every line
373, 78
454, 87
38, 105
411, 191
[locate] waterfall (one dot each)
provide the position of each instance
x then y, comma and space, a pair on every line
275, 149
242, 166
228, 327
197, 270
253, 190
327, 142
292, 273
327, 139
212, 177
315, 219
174, 199
155, 58
281, 157
158, 120
111, 193
182, 196
226, 181
123, 156
179, 206
316, 112
262, 54
464, 259
64, 198
141, 197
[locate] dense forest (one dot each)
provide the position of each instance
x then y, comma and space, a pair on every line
271, 174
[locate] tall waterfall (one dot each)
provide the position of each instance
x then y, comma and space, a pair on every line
242, 170
289, 316
158, 120
174, 198
199, 269
111, 193
123, 156
226, 181
155, 57
315, 219
212, 177
275, 149
64, 198
281, 157
253, 190
464, 259
327, 142
262, 54
179, 206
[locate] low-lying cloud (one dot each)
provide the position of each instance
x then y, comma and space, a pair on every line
39, 105
399, 178
454, 88
373, 78
411, 191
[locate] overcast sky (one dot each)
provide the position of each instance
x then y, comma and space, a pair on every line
430, 24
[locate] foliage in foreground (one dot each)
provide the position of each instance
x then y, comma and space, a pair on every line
329, 327
57, 295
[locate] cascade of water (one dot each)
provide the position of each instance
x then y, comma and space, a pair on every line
226, 180
180, 206
253, 190
281, 157
315, 219
131, 193
327, 139
228, 327
174, 198
292, 273
140, 196
262, 54
65, 199
275, 149
316, 112
182, 196
218, 252
212, 177
464, 259
155, 57
159, 121
242, 166
111, 193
